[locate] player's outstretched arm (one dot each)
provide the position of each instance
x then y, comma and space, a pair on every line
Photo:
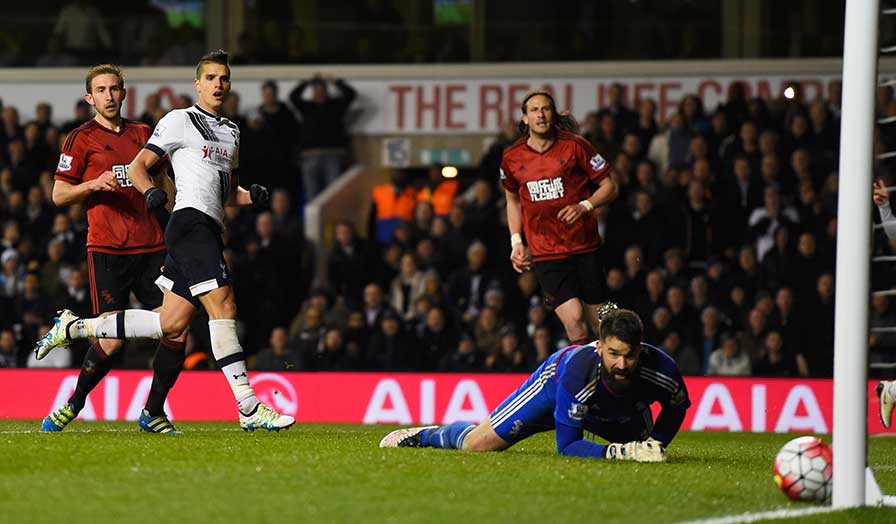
138, 171
668, 422
257, 195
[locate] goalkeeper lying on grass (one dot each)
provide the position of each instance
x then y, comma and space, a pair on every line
605, 387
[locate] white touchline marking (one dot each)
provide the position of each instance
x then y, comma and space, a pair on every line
764, 515
106, 430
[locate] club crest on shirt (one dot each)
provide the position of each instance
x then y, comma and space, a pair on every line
577, 411
545, 189
597, 162
65, 162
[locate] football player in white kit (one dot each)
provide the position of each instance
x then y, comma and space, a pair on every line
203, 147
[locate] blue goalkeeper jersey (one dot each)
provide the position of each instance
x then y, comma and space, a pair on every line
566, 393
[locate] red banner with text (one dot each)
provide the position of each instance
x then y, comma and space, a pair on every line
719, 404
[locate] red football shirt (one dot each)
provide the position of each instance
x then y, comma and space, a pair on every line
546, 183
118, 221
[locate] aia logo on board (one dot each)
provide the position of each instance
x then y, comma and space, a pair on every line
276, 392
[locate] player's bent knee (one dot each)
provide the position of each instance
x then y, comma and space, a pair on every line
174, 326
110, 346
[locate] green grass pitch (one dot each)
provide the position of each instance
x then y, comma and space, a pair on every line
111, 472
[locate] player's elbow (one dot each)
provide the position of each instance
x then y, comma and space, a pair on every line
59, 197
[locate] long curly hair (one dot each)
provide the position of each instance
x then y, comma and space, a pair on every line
564, 120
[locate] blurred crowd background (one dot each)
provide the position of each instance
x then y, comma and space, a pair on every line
723, 237
173, 32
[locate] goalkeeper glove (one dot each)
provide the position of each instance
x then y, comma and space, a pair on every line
649, 450
259, 195
155, 198
606, 309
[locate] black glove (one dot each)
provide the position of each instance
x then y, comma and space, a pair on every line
155, 198
260, 196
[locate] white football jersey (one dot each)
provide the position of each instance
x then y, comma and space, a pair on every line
203, 149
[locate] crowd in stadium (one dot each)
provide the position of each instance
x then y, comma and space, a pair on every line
722, 239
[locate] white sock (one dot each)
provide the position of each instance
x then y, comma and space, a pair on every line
131, 323
892, 387
229, 356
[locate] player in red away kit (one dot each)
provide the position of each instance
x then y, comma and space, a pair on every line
547, 176
125, 246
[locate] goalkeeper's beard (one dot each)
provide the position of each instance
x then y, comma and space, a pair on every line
615, 384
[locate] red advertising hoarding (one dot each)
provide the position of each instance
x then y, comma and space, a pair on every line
719, 404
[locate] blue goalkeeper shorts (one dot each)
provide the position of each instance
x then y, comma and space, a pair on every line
529, 409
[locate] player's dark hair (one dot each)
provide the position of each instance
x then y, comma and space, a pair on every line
623, 324
215, 57
564, 121
103, 69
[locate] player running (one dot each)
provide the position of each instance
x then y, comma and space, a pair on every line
546, 176
605, 388
203, 147
125, 248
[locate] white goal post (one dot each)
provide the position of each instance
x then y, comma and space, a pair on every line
852, 485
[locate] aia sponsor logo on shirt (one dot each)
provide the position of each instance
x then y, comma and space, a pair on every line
121, 175
216, 155
65, 162
546, 189
597, 162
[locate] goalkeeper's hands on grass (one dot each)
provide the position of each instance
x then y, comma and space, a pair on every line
650, 450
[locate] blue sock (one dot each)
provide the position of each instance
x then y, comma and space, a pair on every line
447, 437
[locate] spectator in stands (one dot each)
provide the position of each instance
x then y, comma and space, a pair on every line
766, 220
510, 357
393, 202
775, 362
56, 54
82, 29
685, 356
752, 339
278, 356
616, 107
779, 266
436, 339
487, 329
464, 359
390, 349
490, 162
646, 127
406, 288
818, 344
375, 307
305, 333
466, 286
728, 360
285, 132
83, 113
348, 263
12, 273
8, 349
325, 139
